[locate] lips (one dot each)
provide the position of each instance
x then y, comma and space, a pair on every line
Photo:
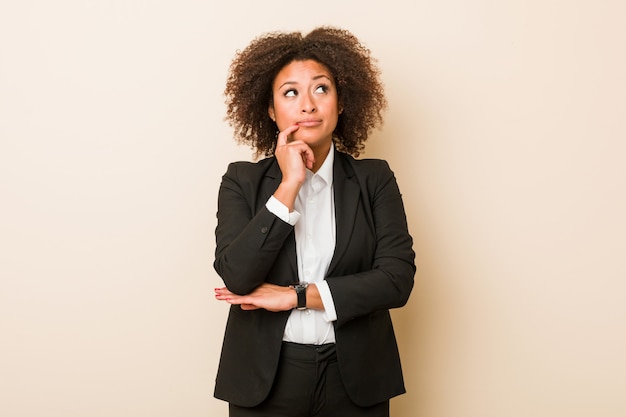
309, 122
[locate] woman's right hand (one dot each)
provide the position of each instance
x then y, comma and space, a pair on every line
294, 157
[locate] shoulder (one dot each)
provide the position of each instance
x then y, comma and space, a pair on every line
250, 171
249, 166
373, 176
366, 167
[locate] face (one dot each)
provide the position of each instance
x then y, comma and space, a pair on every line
304, 93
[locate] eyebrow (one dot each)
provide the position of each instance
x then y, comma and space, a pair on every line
317, 77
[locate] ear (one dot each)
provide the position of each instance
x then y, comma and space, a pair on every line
270, 111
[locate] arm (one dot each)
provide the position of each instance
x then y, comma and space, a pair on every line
388, 282
271, 297
247, 243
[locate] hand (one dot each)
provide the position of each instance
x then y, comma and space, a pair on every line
293, 156
266, 296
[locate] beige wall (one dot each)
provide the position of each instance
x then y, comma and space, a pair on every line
506, 132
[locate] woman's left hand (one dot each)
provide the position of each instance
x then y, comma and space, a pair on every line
267, 296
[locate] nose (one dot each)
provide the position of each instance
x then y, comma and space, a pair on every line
308, 103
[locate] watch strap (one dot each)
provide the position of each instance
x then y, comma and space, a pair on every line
301, 294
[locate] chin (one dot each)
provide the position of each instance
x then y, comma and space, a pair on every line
314, 140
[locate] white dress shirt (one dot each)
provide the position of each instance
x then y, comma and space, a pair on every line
313, 219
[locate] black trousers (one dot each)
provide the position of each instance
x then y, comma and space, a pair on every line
308, 384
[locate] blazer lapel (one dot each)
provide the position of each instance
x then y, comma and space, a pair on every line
346, 192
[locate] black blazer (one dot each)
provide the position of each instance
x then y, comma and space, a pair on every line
371, 272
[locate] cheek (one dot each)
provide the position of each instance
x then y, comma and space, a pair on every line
282, 121
284, 118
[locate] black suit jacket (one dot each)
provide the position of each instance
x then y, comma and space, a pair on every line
371, 272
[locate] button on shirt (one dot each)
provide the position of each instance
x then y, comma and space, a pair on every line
313, 219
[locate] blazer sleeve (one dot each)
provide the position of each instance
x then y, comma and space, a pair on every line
248, 236
389, 281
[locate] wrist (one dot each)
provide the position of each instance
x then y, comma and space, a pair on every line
287, 193
300, 290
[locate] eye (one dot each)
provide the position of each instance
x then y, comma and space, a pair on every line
290, 93
322, 89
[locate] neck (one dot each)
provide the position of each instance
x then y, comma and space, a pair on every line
320, 156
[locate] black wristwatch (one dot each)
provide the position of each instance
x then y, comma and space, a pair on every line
301, 293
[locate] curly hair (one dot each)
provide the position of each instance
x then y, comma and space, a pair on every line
253, 70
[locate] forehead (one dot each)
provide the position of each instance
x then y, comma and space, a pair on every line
302, 70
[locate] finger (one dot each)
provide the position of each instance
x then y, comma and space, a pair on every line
222, 297
222, 291
284, 135
308, 158
236, 299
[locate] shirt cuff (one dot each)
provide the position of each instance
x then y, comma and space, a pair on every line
330, 314
281, 211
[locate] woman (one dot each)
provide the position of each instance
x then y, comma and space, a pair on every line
312, 244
